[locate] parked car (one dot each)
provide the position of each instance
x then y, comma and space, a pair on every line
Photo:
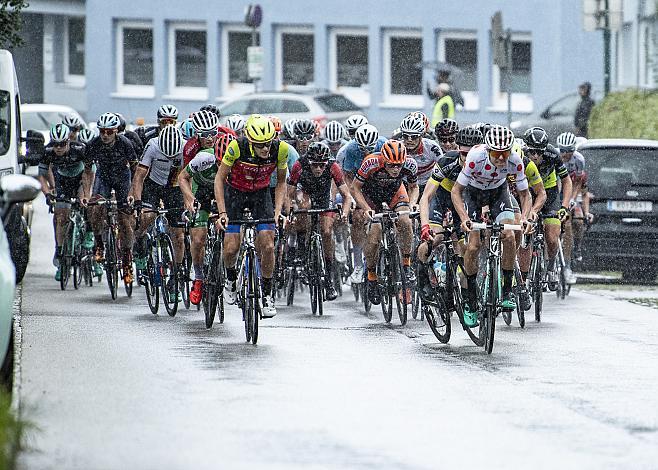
623, 180
14, 189
557, 118
320, 105
41, 117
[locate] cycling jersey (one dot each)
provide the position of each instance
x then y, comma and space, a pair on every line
378, 185
293, 156
334, 154
203, 169
69, 165
162, 169
576, 165
478, 171
146, 133
111, 159
552, 167
352, 155
135, 140
192, 146
531, 173
249, 172
446, 170
426, 155
317, 187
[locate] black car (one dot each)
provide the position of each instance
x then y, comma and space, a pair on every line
623, 180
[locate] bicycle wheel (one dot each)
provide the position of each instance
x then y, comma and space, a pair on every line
458, 301
168, 284
151, 282
438, 317
214, 285
400, 290
537, 272
291, 278
492, 287
184, 275
415, 296
356, 290
128, 286
384, 278
87, 268
507, 317
111, 263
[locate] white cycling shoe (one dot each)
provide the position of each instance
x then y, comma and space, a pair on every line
357, 275
570, 276
231, 292
268, 310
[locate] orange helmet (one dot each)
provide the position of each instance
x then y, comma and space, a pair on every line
221, 144
277, 123
394, 152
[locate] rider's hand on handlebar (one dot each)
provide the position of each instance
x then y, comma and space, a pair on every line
222, 222
281, 219
562, 213
371, 214
425, 233
467, 225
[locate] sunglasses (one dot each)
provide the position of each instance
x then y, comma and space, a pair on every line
60, 144
536, 152
393, 165
207, 134
410, 136
305, 138
107, 131
168, 122
318, 164
447, 140
264, 145
499, 154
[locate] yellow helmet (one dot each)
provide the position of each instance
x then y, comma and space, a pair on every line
259, 129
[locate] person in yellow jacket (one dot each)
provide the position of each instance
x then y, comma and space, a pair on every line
445, 106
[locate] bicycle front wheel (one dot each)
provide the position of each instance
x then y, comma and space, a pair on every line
214, 285
168, 273
438, 317
150, 284
492, 290
184, 275
401, 290
384, 279
111, 263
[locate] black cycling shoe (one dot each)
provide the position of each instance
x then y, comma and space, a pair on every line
410, 274
524, 300
373, 293
509, 301
330, 291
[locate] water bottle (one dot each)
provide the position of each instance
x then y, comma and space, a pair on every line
439, 268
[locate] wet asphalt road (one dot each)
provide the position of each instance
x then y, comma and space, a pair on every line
111, 386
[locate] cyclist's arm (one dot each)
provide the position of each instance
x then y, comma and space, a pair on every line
414, 193
347, 197
430, 191
220, 178
458, 201
540, 197
280, 191
566, 190
525, 201
138, 182
358, 196
185, 184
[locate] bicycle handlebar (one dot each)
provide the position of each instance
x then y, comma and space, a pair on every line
391, 214
314, 211
482, 226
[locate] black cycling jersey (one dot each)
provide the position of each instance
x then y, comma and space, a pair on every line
146, 133
70, 164
551, 161
134, 139
111, 159
447, 167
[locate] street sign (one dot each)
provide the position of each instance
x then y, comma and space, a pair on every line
498, 40
253, 16
594, 14
255, 62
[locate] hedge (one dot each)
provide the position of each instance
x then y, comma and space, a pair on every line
626, 114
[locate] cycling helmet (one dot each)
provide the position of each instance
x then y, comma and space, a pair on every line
536, 138
334, 131
412, 124
171, 141
394, 152
259, 130
318, 152
288, 132
483, 127
423, 117
366, 136
304, 129
567, 142
108, 121
446, 128
73, 122
277, 123
235, 122
499, 138
167, 111
469, 136
59, 133
86, 135
212, 108
222, 144
187, 128
204, 121
354, 122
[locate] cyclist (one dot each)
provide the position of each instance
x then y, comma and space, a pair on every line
446, 132
482, 182
550, 167
155, 180
381, 179
197, 184
353, 122
574, 229
72, 171
132, 135
304, 131
206, 121
309, 185
365, 142
242, 182
74, 124
167, 114
235, 122
86, 136
211, 108
426, 152
187, 128
334, 136
113, 154
288, 131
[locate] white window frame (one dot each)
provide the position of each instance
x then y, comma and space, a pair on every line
521, 102
71, 79
278, 55
359, 95
133, 91
393, 100
190, 93
471, 98
232, 89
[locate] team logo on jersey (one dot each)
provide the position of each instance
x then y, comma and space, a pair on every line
231, 151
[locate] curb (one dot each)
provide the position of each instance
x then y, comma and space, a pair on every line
18, 343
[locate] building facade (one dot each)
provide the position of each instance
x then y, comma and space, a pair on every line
130, 57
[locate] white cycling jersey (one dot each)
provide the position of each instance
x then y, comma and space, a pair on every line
479, 172
426, 156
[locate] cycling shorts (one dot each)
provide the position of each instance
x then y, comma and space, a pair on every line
551, 205
172, 197
118, 181
204, 195
498, 199
440, 204
259, 202
396, 199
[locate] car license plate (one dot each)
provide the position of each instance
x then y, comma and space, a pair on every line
630, 206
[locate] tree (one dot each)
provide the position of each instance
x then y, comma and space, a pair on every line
10, 22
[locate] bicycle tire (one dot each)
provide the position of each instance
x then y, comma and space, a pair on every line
87, 269
150, 288
356, 291
214, 284
507, 317
290, 286
383, 280
111, 263
436, 310
185, 274
491, 307
168, 273
128, 286
401, 290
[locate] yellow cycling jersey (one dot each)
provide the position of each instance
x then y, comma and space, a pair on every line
249, 172
531, 172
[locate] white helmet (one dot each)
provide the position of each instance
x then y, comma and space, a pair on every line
366, 136
289, 128
170, 141
167, 111
412, 124
499, 138
60, 133
204, 121
72, 121
354, 122
567, 142
86, 135
235, 122
334, 131
108, 121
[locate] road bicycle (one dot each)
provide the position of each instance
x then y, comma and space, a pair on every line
213, 274
75, 259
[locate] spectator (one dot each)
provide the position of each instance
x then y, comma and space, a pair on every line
584, 109
445, 106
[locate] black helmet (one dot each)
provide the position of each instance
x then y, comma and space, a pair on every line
469, 136
318, 152
483, 127
212, 108
304, 128
446, 128
536, 138
122, 122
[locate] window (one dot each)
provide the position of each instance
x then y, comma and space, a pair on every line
295, 53
336, 104
74, 51
520, 81
237, 107
238, 42
348, 63
294, 106
565, 106
135, 59
403, 54
459, 49
5, 121
187, 60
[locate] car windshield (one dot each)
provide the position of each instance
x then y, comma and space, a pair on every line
336, 104
614, 168
5, 121
41, 120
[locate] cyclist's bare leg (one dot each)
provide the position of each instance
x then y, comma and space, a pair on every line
177, 239
509, 247
61, 215
371, 248
265, 250
567, 240
471, 254
406, 233
552, 232
326, 230
198, 244
145, 222
126, 234
97, 216
525, 256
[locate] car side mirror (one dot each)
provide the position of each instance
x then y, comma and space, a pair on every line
546, 114
35, 144
18, 188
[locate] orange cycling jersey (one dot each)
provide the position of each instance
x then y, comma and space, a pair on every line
249, 172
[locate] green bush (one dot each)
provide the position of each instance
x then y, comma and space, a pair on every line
631, 114
12, 433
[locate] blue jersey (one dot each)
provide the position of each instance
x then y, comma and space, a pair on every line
352, 156
293, 156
